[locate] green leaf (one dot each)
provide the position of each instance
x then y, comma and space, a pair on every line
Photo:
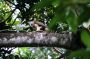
72, 20
85, 37
53, 23
56, 3
58, 17
85, 15
80, 1
76, 1
60, 12
1, 0
81, 54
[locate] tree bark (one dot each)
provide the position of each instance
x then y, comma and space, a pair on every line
34, 39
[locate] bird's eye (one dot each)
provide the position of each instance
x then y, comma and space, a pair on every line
31, 23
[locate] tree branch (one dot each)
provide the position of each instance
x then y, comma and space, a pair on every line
34, 39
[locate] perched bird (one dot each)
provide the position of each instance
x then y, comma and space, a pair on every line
38, 26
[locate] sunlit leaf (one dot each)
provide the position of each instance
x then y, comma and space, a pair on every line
85, 38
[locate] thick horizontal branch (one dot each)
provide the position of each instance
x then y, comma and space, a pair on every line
34, 39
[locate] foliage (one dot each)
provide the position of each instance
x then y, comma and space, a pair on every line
86, 38
81, 54
32, 53
58, 15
